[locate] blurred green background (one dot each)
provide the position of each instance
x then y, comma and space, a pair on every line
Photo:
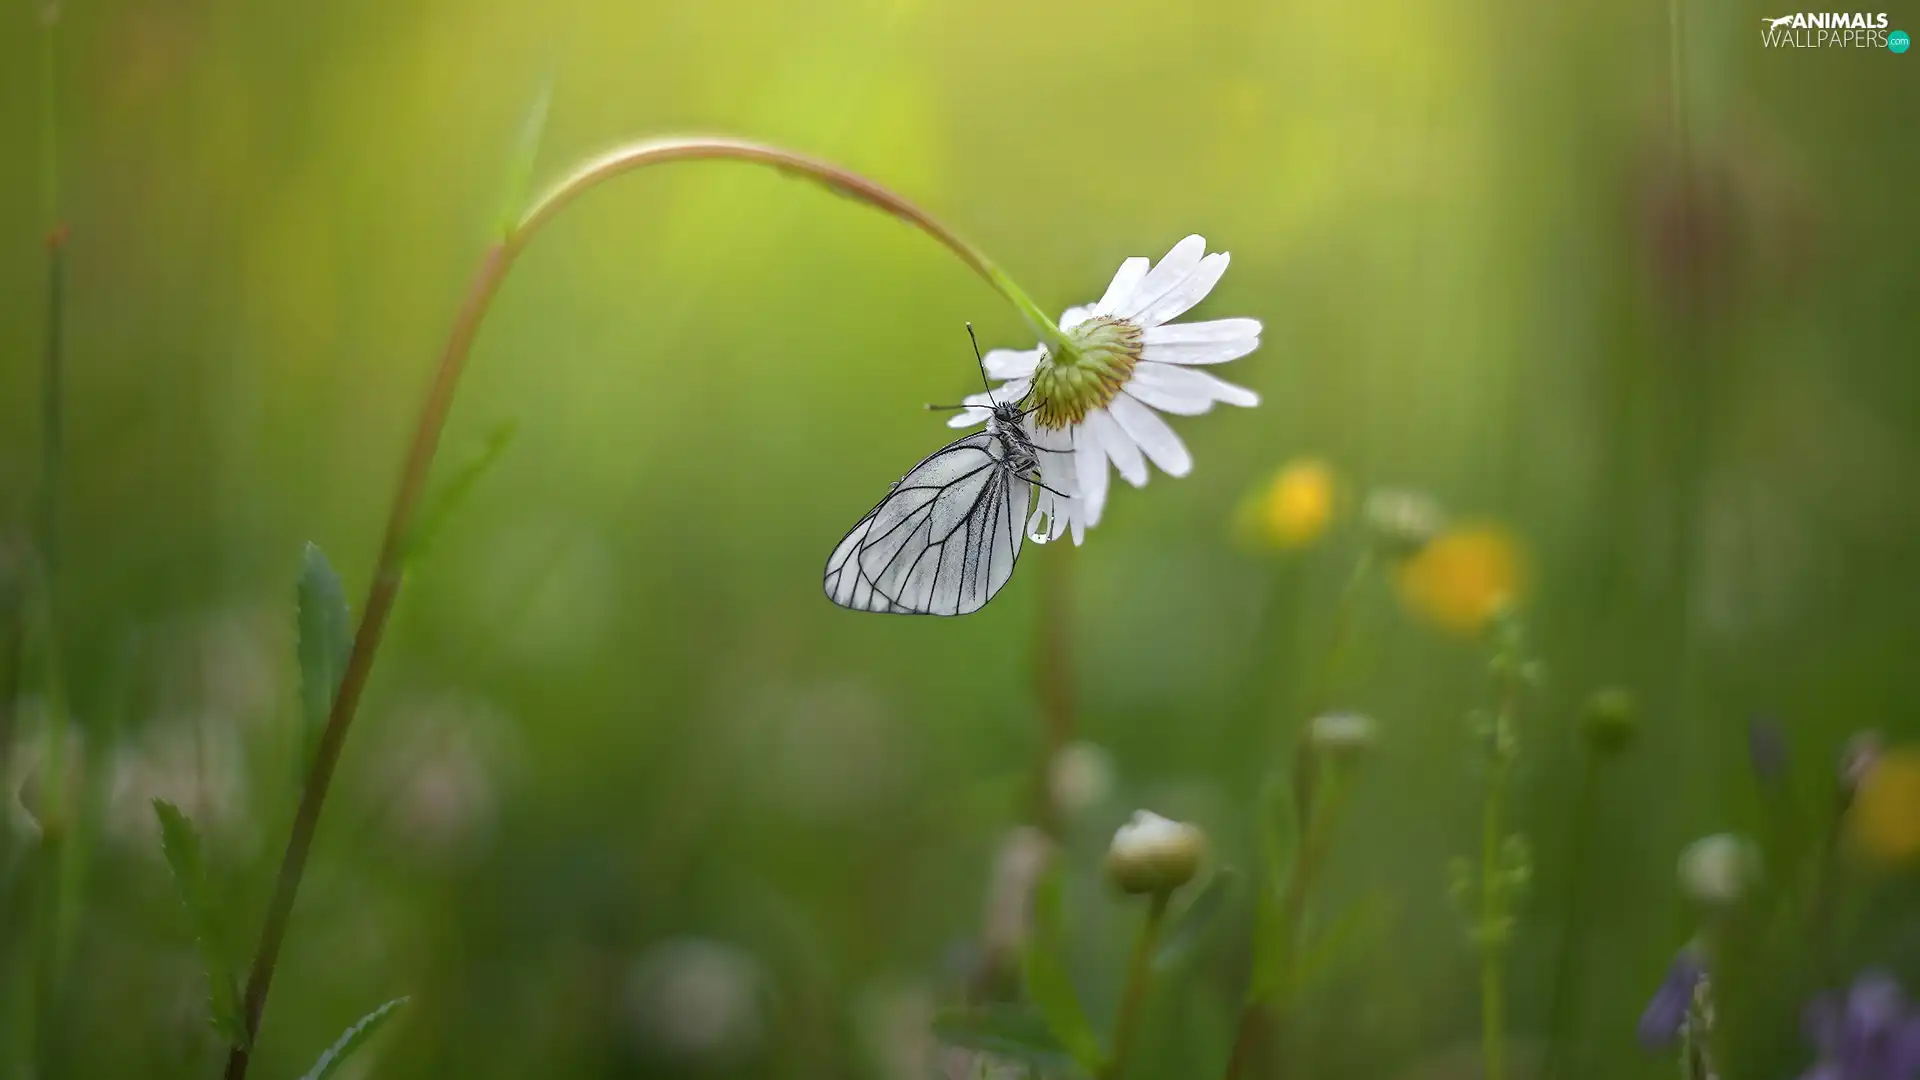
1660, 329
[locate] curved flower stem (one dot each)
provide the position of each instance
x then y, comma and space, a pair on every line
839, 180
389, 570
1139, 977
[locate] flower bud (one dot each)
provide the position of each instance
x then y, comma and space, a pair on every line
1022, 858
1152, 855
1718, 870
700, 1002
1402, 522
1611, 719
1081, 776
1342, 736
1862, 753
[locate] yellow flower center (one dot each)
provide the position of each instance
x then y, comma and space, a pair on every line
1089, 375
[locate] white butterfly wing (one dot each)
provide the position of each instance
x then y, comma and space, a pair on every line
942, 542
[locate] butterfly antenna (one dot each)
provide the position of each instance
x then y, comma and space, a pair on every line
982, 361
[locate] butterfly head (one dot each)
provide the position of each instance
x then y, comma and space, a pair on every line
1008, 424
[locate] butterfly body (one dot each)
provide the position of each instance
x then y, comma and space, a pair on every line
944, 539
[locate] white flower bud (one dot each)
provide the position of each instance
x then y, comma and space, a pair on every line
697, 1001
1081, 776
1022, 858
1402, 522
1153, 855
1343, 735
1718, 870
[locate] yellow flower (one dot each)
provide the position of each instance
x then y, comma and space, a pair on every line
1294, 508
1884, 821
1464, 577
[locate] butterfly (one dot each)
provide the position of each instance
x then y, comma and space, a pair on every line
945, 538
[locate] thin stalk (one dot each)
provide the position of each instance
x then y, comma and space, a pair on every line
52, 418
388, 571
1495, 916
1139, 977
1820, 907
57, 869
1567, 964
1340, 642
1492, 968
1258, 1031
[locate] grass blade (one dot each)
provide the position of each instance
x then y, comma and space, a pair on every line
351, 1040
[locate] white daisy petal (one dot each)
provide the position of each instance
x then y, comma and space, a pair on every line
1199, 352
1166, 400
1189, 291
1056, 457
1090, 468
1151, 434
1187, 382
1174, 269
1197, 333
1119, 446
979, 407
1124, 282
1011, 391
1079, 527
1073, 317
1012, 363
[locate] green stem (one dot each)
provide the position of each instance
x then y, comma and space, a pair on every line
1139, 977
1259, 1031
640, 155
1495, 916
388, 571
1340, 644
1492, 953
1567, 965
57, 869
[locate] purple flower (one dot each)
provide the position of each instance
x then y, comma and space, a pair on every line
1870, 1035
1667, 1013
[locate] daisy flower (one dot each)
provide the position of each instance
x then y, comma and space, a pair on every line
1099, 399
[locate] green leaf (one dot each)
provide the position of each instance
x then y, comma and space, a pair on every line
441, 505
1359, 926
325, 639
1014, 1032
352, 1040
1272, 938
1049, 984
180, 843
526, 150
1196, 927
